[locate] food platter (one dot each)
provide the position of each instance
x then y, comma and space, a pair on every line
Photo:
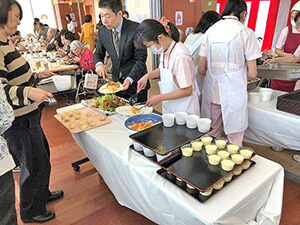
141, 122
132, 110
111, 88
105, 104
81, 119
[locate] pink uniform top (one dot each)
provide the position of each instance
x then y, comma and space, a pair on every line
250, 47
283, 36
183, 68
87, 60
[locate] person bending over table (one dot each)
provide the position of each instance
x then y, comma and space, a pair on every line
287, 43
66, 39
176, 69
227, 58
25, 138
116, 36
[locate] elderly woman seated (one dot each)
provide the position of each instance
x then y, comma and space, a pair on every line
83, 56
53, 36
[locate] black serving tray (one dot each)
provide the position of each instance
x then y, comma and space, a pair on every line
195, 170
196, 195
163, 140
289, 103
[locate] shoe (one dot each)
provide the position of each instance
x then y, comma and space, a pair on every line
56, 195
40, 218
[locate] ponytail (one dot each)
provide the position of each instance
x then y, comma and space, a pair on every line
150, 29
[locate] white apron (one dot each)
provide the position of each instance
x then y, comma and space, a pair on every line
189, 104
232, 85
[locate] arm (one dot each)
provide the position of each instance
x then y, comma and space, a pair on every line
286, 59
202, 66
141, 84
99, 56
252, 69
281, 53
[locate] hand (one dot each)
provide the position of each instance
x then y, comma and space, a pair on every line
141, 84
46, 73
126, 84
39, 95
269, 61
56, 43
100, 70
154, 100
76, 59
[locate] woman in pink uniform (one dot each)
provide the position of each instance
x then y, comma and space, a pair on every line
287, 44
227, 58
176, 69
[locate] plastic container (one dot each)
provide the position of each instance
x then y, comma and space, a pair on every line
168, 119
254, 97
191, 121
203, 125
148, 152
266, 94
180, 118
62, 83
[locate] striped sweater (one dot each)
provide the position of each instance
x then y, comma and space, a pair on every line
17, 78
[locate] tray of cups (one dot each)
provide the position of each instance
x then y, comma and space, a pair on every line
168, 136
203, 166
145, 152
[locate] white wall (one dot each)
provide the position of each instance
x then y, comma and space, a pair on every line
39, 7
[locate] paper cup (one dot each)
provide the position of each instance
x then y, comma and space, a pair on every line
168, 120
180, 118
203, 125
191, 121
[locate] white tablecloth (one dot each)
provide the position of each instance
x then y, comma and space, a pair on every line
272, 127
256, 195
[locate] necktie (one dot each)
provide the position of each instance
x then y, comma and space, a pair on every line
116, 41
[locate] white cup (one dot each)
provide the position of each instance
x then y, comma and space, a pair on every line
266, 94
180, 118
161, 157
191, 121
254, 97
204, 125
168, 119
148, 152
137, 146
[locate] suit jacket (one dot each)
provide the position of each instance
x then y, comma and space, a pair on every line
131, 62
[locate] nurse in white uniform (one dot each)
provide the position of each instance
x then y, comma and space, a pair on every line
176, 69
228, 56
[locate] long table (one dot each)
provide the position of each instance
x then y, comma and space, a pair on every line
256, 195
272, 127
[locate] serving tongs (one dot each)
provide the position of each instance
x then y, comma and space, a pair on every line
133, 99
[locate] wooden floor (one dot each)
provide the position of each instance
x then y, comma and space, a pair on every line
88, 200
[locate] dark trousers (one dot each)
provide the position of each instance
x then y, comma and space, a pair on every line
27, 142
8, 214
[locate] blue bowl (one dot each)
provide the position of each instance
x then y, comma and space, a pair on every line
142, 118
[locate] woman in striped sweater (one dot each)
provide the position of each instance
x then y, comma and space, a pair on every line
25, 138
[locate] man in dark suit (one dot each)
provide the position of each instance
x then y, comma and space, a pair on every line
116, 36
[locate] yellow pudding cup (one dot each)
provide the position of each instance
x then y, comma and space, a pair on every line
206, 140
233, 149
237, 158
197, 145
214, 159
228, 177
211, 149
227, 165
223, 154
247, 153
237, 171
219, 185
246, 165
187, 150
206, 193
221, 143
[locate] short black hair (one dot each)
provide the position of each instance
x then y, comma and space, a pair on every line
36, 20
297, 16
236, 7
5, 7
114, 5
41, 25
206, 21
88, 18
126, 13
63, 31
69, 17
69, 36
17, 33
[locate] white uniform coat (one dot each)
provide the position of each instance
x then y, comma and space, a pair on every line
226, 64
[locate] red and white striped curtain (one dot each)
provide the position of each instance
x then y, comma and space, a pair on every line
278, 17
